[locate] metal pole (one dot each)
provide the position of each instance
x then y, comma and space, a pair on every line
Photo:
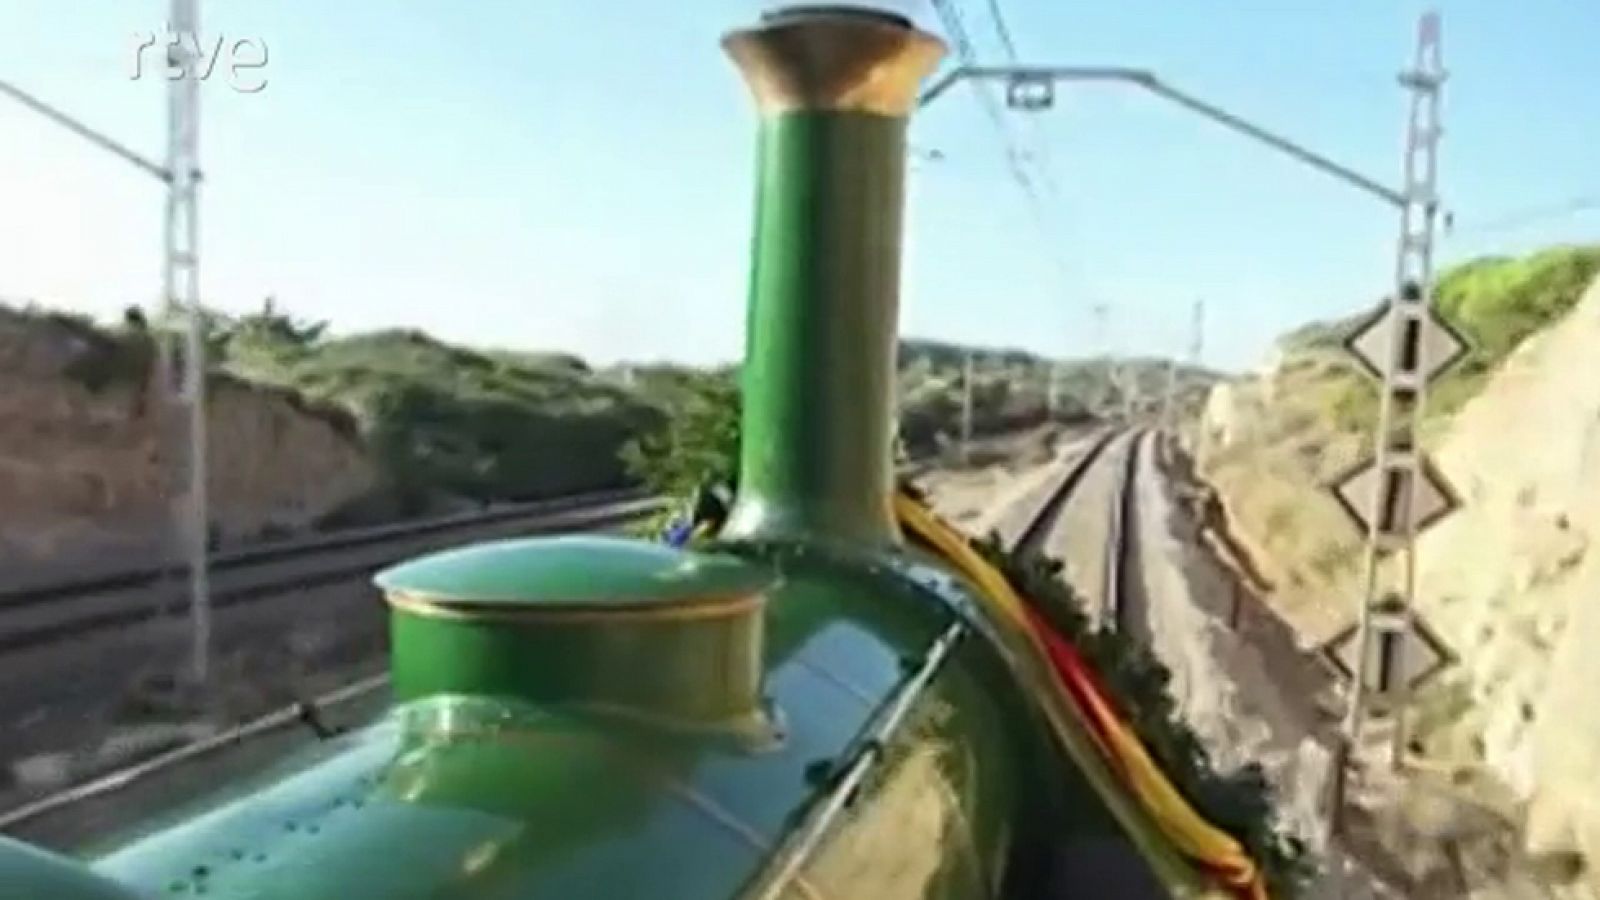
1197, 344
1411, 298
1102, 398
1052, 389
180, 297
1197, 336
1415, 267
966, 407
181, 280
81, 130
1167, 392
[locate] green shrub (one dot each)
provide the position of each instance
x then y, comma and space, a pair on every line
697, 443
1499, 302
1239, 802
488, 426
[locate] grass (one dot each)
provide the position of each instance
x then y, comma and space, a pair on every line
1496, 303
482, 425
1321, 411
101, 358
487, 425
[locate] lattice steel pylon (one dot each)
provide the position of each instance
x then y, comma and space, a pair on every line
183, 359
968, 373
1052, 388
179, 381
1100, 400
1169, 396
1401, 470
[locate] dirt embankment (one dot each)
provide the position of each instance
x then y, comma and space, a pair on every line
82, 457
1511, 581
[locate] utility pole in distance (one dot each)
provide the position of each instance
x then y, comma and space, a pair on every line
1197, 340
1101, 399
1170, 394
966, 406
187, 369
181, 387
1052, 389
1396, 492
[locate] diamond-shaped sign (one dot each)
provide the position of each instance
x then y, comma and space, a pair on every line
1425, 345
1362, 490
1403, 651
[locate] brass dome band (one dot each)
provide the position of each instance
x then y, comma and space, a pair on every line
838, 62
547, 613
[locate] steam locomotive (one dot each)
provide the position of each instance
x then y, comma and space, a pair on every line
809, 706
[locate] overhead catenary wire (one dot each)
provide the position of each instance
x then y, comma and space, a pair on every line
1028, 163
1532, 215
180, 363
1046, 167
1017, 157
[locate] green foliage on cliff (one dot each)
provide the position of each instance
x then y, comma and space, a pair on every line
446, 419
1496, 302
1499, 301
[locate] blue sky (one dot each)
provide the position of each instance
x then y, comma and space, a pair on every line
557, 173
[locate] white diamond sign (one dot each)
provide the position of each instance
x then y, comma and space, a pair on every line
1403, 651
1425, 345
1364, 491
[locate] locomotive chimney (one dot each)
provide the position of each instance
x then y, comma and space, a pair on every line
834, 87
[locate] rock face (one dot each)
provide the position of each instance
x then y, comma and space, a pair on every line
1525, 614
1511, 581
81, 466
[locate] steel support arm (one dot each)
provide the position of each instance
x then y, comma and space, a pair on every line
1148, 80
82, 130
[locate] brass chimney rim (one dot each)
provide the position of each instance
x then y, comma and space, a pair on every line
834, 59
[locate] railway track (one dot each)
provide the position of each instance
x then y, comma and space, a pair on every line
37, 616
100, 804
1042, 521
1118, 594
1107, 577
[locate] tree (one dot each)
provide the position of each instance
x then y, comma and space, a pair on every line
698, 443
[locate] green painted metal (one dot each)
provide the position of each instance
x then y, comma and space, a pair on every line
474, 796
577, 569
819, 360
606, 624
27, 873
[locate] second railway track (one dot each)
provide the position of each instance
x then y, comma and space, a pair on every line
1106, 566
62, 609
36, 616
63, 818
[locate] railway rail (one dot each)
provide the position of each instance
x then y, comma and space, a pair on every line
1121, 552
38, 615
1118, 565
62, 818
1042, 522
